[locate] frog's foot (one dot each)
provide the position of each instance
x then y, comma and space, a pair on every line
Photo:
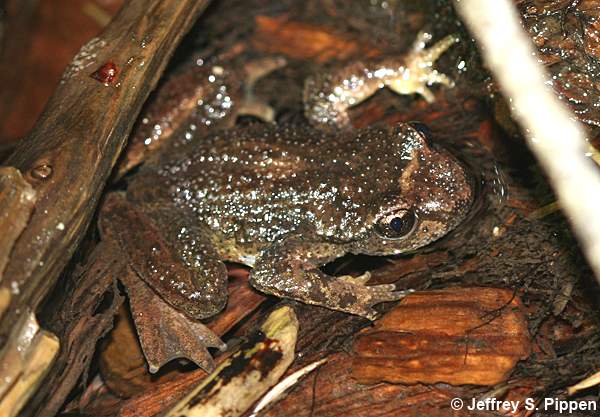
290, 269
418, 73
165, 333
351, 295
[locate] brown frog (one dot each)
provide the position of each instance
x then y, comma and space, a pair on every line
282, 199
286, 200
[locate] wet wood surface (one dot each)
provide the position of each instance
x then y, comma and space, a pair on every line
332, 391
68, 156
40, 39
305, 41
17, 199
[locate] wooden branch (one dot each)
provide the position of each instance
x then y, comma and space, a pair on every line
68, 156
17, 200
26, 359
554, 137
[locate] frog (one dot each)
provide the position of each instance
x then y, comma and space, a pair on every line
286, 200
330, 93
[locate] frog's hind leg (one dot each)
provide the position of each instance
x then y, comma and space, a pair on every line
418, 73
290, 269
171, 254
164, 332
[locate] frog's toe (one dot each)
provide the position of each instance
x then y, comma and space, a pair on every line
360, 280
253, 106
368, 296
427, 94
430, 55
381, 294
385, 293
421, 41
369, 313
438, 78
419, 84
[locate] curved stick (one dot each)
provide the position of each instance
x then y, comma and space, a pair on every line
554, 137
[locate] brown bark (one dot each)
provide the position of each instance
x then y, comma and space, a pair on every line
16, 203
303, 41
457, 335
69, 154
330, 391
82, 317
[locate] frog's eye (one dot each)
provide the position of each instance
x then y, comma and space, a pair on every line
396, 224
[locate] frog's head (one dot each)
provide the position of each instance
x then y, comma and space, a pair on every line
431, 197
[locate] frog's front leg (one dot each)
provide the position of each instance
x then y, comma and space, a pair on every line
290, 269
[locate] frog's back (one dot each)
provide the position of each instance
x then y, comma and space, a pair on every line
259, 182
